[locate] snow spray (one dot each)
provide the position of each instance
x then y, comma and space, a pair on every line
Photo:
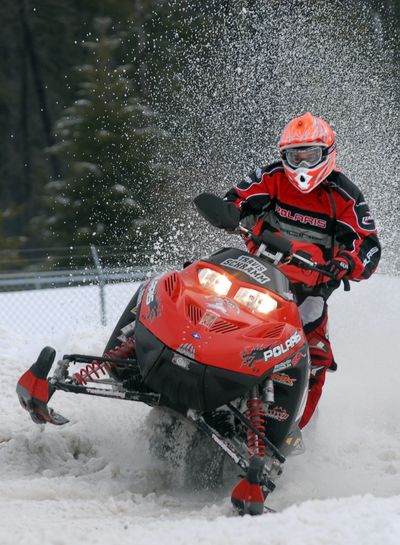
261, 64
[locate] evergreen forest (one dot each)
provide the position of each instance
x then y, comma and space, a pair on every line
96, 138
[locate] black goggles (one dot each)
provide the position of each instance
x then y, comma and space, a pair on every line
307, 156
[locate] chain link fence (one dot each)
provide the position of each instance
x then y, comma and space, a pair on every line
70, 289
48, 297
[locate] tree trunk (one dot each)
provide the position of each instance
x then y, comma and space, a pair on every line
26, 182
138, 10
38, 82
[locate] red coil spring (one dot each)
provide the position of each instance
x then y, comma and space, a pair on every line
256, 414
97, 369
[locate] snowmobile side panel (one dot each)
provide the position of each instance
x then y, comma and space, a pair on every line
285, 413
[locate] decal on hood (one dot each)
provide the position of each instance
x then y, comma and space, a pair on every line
151, 300
273, 351
250, 266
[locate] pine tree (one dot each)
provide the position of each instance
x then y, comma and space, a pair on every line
106, 139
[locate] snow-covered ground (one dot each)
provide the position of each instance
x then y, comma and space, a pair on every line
93, 481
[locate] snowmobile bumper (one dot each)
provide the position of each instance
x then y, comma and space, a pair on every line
34, 390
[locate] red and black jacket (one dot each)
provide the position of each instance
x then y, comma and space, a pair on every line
330, 220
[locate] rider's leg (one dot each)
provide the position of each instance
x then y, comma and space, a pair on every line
314, 312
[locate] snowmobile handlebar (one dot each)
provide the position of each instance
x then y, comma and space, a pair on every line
277, 249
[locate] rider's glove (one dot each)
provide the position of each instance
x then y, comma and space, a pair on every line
339, 267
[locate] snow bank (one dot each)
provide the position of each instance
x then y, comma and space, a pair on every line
93, 481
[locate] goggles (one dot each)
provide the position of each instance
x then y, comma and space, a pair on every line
303, 157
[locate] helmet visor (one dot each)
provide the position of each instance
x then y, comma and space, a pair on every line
307, 156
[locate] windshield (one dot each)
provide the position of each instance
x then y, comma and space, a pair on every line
252, 269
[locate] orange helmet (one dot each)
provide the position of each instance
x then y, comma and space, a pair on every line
308, 151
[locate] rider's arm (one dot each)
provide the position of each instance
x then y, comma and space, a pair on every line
252, 194
252, 197
356, 234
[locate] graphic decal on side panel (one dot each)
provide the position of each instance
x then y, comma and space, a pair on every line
151, 300
283, 378
289, 362
251, 356
278, 413
280, 349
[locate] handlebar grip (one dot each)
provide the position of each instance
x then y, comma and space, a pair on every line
346, 282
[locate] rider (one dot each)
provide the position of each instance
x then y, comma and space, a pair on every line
314, 205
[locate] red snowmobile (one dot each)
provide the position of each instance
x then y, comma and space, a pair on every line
220, 343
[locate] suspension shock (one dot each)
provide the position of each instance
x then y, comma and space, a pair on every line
96, 369
256, 414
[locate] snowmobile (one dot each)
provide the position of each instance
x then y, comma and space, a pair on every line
220, 343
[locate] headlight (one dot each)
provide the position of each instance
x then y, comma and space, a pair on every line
214, 281
255, 300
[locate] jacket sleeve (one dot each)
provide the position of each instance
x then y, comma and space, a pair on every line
251, 195
356, 234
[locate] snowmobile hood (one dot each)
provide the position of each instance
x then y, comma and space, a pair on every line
217, 330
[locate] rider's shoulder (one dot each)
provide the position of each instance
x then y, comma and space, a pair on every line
273, 168
342, 185
270, 169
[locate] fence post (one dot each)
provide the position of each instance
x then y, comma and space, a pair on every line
99, 269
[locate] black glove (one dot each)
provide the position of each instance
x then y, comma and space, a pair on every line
339, 267
219, 213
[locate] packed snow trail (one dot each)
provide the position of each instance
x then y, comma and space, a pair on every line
94, 482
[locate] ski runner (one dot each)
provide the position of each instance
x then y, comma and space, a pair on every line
310, 202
